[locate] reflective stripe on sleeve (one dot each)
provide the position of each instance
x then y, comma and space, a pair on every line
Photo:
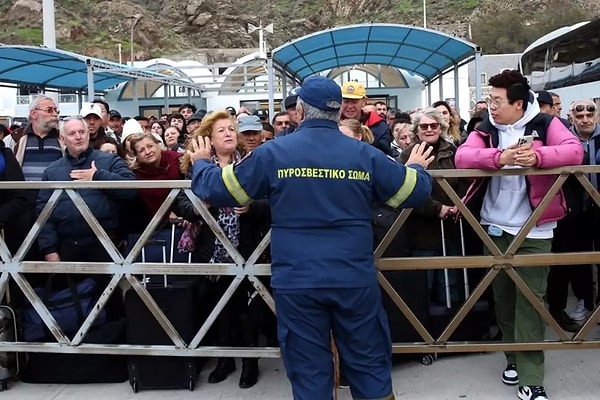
410, 181
233, 186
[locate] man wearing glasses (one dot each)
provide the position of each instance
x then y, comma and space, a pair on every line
38, 148
40, 145
577, 232
516, 135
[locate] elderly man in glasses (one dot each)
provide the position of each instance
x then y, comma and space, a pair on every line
37, 149
576, 232
39, 146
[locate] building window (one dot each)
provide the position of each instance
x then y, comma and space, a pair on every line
484, 80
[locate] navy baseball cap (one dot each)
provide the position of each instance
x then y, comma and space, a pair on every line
260, 113
322, 93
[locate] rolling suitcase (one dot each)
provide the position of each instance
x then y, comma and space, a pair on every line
475, 326
9, 362
179, 300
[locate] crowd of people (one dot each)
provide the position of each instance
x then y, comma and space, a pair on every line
300, 175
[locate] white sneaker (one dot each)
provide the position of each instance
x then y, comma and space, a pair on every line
580, 313
532, 393
510, 375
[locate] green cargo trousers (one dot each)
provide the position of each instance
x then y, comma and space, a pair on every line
517, 319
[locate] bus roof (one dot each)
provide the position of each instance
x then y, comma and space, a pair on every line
553, 35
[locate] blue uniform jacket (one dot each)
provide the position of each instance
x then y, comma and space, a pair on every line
320, 186
66, 222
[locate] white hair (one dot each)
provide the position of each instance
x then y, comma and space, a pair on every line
61, 129
311, 112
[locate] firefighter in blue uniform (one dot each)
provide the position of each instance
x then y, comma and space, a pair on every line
320, 185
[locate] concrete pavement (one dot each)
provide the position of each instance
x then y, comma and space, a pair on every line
570, 375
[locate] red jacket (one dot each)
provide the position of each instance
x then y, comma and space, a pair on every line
168, 169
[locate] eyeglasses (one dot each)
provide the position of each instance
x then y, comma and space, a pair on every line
496, 103
49, 110
587, 107
433, 126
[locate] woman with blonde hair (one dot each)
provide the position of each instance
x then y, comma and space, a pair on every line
236, 319
354, 129
452, 119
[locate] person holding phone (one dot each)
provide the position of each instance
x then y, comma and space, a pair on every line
508, 202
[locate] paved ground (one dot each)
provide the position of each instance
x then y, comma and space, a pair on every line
570, 375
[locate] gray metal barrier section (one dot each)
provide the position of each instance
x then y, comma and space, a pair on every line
124, 268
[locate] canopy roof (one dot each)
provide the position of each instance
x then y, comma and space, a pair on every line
422, 51
43, 67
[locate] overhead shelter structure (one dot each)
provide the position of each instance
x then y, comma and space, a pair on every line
59, 69
425, 52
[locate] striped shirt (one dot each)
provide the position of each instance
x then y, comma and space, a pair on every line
39, 153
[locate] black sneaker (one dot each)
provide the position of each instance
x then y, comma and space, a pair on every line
532, 393
565, 322
510, 376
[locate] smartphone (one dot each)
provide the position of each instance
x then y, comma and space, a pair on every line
525, 141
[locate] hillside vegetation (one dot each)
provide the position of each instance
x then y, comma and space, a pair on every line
173, 27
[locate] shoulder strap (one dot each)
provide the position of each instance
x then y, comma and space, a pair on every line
487, 127
538, 126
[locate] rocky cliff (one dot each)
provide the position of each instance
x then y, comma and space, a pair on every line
191, 28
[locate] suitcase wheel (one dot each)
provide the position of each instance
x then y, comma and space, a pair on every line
191, 385
4, 386
428, 359
134, 386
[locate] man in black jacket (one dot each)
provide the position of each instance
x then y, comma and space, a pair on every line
13, 202
66, 235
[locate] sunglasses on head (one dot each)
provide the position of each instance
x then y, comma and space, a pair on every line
433, 126
587, 107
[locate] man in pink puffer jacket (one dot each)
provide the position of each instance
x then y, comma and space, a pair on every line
518, 136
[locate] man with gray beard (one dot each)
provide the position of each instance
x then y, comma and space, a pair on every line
40, 145
38, 148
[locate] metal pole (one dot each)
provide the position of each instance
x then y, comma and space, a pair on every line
429, 94
261, 44
136, 102
120, 54
271, 84
478, 73
284, 82
90, 80
424, 13
49, 24
456, 93
166, 98
133, 21
441, 86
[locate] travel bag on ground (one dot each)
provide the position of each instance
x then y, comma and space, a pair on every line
476, 325
9, 362
180, 300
